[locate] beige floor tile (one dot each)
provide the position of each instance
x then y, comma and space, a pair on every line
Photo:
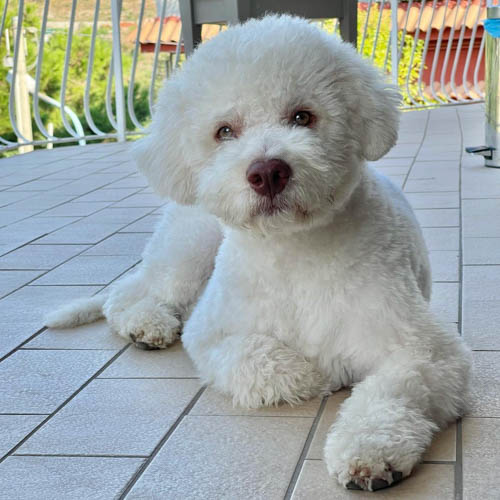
92, 336
443, 446
485, 393
215, 403
172, 362
428, 482
327, 418
481, 460
225, 458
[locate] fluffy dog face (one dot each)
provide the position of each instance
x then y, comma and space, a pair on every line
267, 126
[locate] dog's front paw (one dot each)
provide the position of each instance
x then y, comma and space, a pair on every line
149, 325
370, 461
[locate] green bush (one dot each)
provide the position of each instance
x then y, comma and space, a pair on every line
52, 72
407, 67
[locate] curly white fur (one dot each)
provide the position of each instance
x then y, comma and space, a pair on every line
330, 290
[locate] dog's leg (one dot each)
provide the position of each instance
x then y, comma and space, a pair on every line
150, 305
388, 422
256, 370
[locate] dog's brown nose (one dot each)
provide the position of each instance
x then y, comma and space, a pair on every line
268, 177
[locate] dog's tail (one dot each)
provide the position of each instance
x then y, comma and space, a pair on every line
77, 312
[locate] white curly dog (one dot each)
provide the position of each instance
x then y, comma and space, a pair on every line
291, 266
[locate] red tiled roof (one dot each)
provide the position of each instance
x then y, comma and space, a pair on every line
170, 31
452, 14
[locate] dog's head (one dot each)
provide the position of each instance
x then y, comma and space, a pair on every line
268, 125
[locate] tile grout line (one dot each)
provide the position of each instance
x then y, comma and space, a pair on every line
458, 451
43, 328
140, 471
75, 455
417, 152
305, 449
64, 403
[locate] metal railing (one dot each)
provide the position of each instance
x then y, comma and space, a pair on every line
93, 76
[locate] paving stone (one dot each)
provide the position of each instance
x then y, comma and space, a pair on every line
145, 225
13, 333
141, 200
481, 250
41, 201
327, 418
443, 446
485, 393
39, 185
31, 303
27, 230
444, 265
10, 216
442, 238
81, 232
107, 194
93, 336
40, 256
444, 217
76, 209
212, 402
11, 280
481, 282
249, 457
114, 417
433, 200
43, 478
172, 362
134, 181
88, 184
444, 301
392, 162
480, 323
39, 381
479, 181
481, 306
88, 270
9, 197
14, 428
426, 482
118, 215
480, 218
481, 461
119, 244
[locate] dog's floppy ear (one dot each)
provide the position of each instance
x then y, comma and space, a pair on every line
163, 155
378, 111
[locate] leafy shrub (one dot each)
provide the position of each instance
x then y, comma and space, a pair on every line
52, 72
408, 68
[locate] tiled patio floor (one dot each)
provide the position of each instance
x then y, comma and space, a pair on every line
84, 415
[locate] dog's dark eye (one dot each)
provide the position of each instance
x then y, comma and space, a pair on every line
224, 133
302, 118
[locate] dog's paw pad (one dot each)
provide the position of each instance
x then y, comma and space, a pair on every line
351, 485
378, 484
145, 347
364, 478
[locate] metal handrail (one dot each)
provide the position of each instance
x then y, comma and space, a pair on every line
435, 61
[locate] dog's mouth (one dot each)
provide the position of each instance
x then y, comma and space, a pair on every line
268, 208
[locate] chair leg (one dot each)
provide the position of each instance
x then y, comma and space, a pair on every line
349, 22
191, 32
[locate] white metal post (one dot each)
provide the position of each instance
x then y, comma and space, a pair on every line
118, 71
394, 41
21, 95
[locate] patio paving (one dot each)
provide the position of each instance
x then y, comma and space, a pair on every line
85, 415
